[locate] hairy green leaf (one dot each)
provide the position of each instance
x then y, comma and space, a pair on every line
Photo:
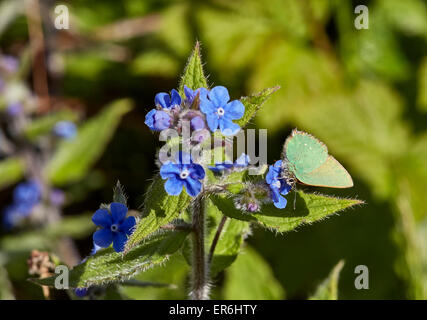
11, 171
253, 103
108, 266
119, 194
159, 209
309, 208
328, 289
74, 158
251, 278
193, 76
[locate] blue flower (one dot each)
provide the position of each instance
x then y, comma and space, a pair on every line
157, 120
184, 172
65, 129
14, 214
278, 186
14, 109
81, 292
115, 227
163, 100
28, 193
190, 94
197, 123
9, 63
241, 162
220, 112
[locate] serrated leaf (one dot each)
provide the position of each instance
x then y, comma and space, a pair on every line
159, 209
309, 208
193, 76
119, 194
74, 158
11, 171
253, 103
45, 124
108, 266
229, 242
251, 278
328, 289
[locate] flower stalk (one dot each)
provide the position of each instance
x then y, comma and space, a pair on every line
200, 287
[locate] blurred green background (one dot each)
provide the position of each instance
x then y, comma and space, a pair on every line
362, 92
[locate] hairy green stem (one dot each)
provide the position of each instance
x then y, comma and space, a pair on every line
216, 238
200, 286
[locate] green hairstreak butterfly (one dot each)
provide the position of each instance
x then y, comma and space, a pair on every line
307, 159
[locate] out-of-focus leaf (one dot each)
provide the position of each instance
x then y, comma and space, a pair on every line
253, 103
11, 171
193, 76
74, 158
6, 291
374, 50
229, 242
108, 266
367, 120
159, 209
155, 63
45, 124
75, 227
172, 273
309, 208
9, 10
328, 289
251, 278
422, 86
409, 16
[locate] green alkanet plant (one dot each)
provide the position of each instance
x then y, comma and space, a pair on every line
193, 186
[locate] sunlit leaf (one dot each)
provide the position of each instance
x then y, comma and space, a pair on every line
309, 208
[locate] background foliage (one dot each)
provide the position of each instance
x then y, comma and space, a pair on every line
362, 92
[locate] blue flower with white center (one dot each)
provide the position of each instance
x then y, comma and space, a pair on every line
115, 227
278, 186
166, 101
220, 112
157, 120
65, 129
184, 172
190, 94
241, 162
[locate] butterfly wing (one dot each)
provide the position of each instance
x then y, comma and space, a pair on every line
330, 174
304, 152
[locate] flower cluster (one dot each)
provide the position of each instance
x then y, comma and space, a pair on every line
204, 110
209, 111
114, 226
26, 196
